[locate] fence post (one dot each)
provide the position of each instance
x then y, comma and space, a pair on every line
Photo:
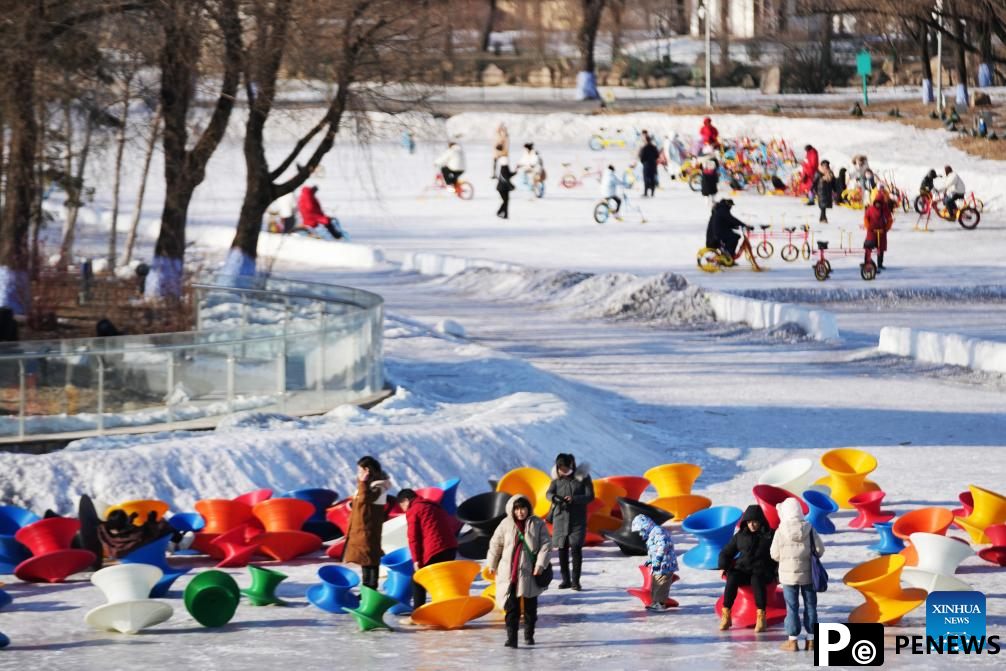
320, 386
101, 395
170, 384
230, 380
23, 387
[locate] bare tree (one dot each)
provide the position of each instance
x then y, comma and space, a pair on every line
155, 128
488, 26
586, 39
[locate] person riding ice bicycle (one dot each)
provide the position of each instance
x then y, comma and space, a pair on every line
953, 187
452, 164
610, 184
531, 167
721, 232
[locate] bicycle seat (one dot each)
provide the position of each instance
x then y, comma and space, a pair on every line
822, 244
566, 165
747, 228
805, 227
790, 229
765, 227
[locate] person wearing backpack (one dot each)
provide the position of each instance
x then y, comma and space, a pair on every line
793, 545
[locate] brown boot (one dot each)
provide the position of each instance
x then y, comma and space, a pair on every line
759, 621
809, 644
725, 620
789, 645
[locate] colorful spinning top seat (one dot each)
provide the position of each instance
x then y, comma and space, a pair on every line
373, 606
129, 609
628, 541
682, 506
211, 598
186, 522
262, 591
13, 553
483, 513
339, 516
4, 640
321, 499
254, 497
634, 485
847, 468
154, 553
793, 475
394, 534
768, 497
449, 585
939, 558
5, 598
989, 510
967, 500
599, 517
529, 482
713, 527
888, 544
673, 479
398, 584
333, 594
644, 593
820, 506
222, 515
236, 548
868, 506
282, 519
142, 508
744, 613
52, 558
449, 502
879, 581
927, 520
996, 554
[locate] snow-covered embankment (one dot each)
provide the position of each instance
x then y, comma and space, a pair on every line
947, 349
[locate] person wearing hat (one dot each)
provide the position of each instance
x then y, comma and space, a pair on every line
311, 214
518, 551
746, 560
793, 544
721, 232
570, 492
878, 218
366, 519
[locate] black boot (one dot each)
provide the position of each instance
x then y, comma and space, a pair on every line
577, 565
511, 637
530, 619
564, 568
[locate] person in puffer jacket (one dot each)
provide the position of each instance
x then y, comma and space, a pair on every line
660, 558
791, 547
745, 560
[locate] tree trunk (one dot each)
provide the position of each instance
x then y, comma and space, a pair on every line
826, 55
924, 53
723, 35
487, 27
616, 9
587, 35
961, 55
138, 210
120, 145
986, 70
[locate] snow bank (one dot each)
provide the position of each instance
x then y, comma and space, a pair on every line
818, 324
948, 349
298, 249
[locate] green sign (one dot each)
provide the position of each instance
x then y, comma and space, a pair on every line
863, 66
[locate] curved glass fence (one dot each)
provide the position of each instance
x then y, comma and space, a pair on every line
265, 344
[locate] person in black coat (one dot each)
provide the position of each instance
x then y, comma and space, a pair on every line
710, 175
721, 232
824, 190
570, 492
648, 156
840, 184
746, 561
504, 186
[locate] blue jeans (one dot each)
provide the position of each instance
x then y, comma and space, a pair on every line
791, 593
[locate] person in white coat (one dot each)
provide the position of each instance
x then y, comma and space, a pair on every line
286, 210
792, 544
610, 184
953, 188
452, 163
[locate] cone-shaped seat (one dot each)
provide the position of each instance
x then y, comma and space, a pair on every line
52, 559
867, 505
222, 515
605, 497
449, 502
237, 546
996, 554
768, 497
744, 611
373, 605
888, 543
398, 584
928, 520
211, 598
644, 593
142, 508
634, 485
282, 519
879, 581
339, 514
394, 534
682, 506
321, 499
820, 506
793, 475
967, 500
333, 593
189, 521
449, 584
938, 560
484, 512
628, 541
989, 509
262, 591
847, 470
154, 553
13, 518
673, 479
529, 482
713, 527
129, 609
254, 497
473, 545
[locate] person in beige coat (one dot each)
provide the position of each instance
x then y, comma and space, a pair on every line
791, 547
518, 551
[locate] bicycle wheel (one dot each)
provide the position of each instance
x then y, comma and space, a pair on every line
601, 212
465, 190
760, 187
868, 271
695, 183
764, 249
789, 252
708, 259
969, 218
906, 206
596, 142
539, 189
979, 205
821, 271
805, 250
569, 181
921, 203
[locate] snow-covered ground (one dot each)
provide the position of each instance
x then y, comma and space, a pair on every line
583, 338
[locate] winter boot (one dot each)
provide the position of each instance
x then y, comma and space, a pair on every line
809, 644
725, 621
511, 637
577, 566
528, 633
564, 571
759, 621
790, 645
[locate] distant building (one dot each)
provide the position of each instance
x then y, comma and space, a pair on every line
752, 18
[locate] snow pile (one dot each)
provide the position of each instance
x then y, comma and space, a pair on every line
818, 324
450, 327
948, 349
299, 249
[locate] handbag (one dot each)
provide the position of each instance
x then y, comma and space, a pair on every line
818, 574
547, 575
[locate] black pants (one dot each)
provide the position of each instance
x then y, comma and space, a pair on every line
333, 231
418, 591
369, 577
289, 223
618, 202
450, 176
736, 579
504, 210
564, 554
824, 212
511, 607
649, 179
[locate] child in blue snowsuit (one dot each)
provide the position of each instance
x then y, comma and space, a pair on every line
660, 558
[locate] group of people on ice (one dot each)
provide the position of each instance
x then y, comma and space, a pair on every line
518, 558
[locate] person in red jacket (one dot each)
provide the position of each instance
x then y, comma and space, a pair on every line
809, 172
432, 536
710, 135
878, 218
311, 214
